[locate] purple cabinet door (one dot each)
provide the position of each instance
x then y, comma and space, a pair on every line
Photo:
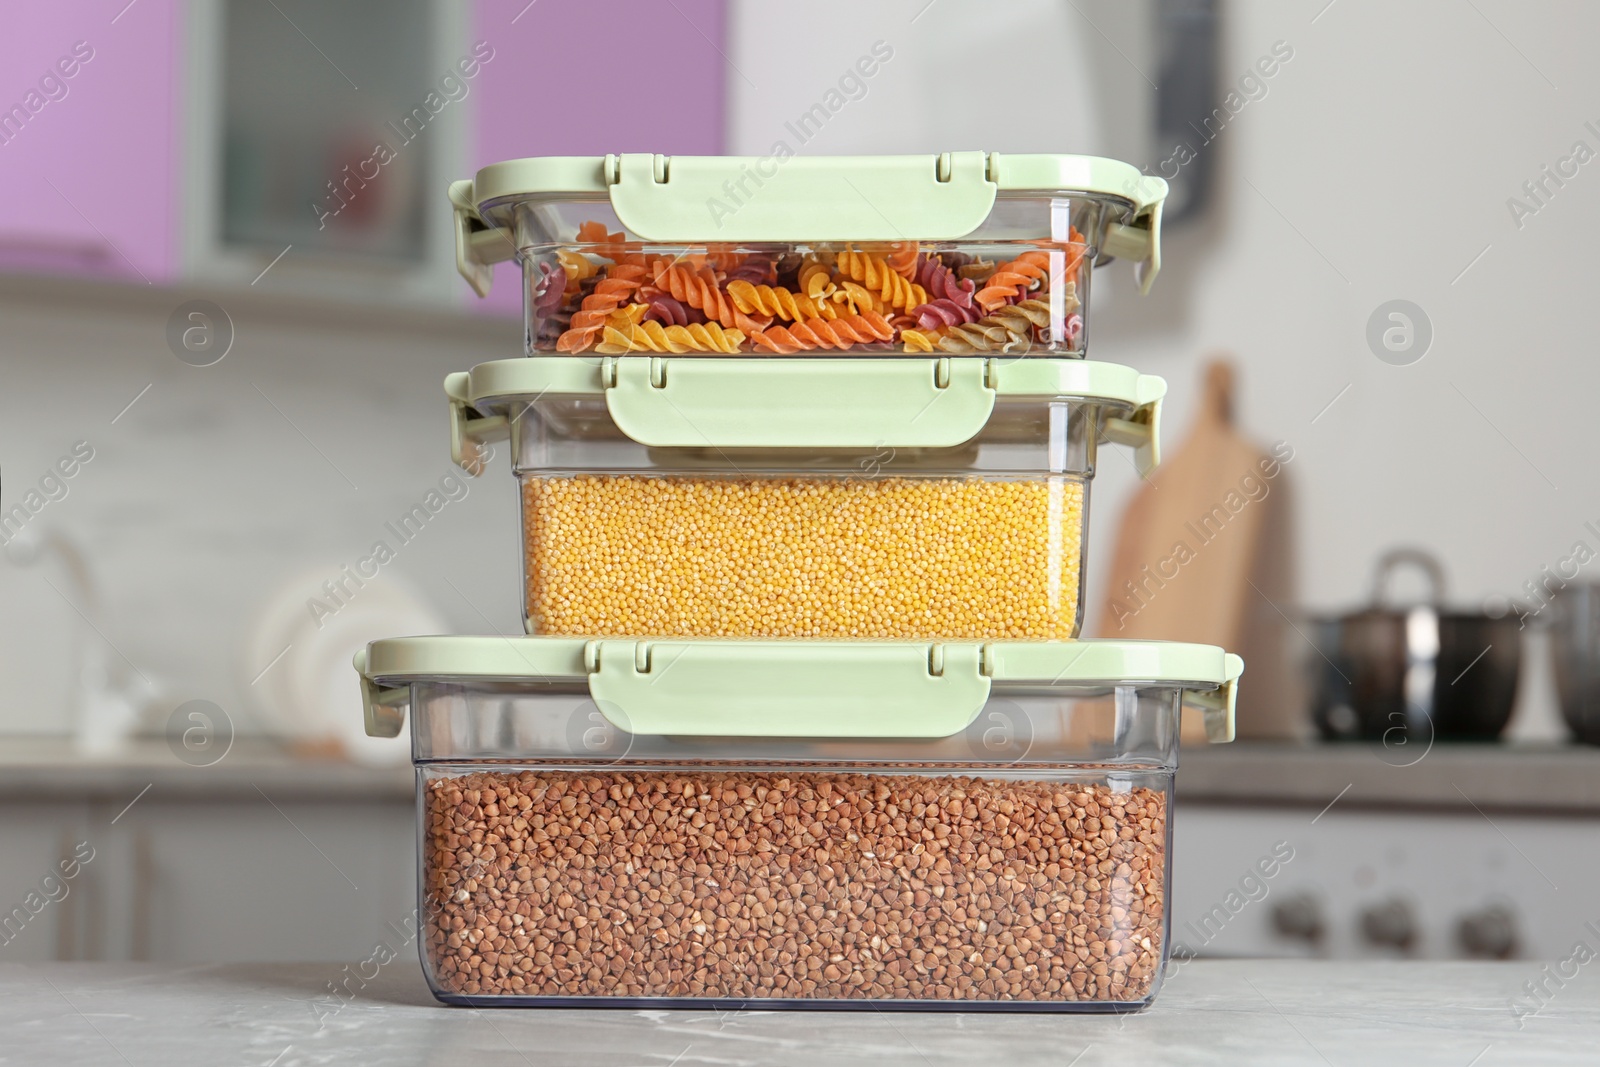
88, 95
572, 79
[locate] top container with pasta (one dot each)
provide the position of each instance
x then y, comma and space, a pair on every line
960, 254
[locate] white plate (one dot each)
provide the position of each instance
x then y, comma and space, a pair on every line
312, 693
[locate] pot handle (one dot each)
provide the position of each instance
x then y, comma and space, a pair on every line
1420, 558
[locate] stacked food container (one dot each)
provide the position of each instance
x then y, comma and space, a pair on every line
804, 449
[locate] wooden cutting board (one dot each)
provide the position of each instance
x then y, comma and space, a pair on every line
1192, 538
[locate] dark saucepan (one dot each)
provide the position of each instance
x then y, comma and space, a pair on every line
1414, 673
1575, 645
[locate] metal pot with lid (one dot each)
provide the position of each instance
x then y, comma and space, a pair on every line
1575, 647
1397, 672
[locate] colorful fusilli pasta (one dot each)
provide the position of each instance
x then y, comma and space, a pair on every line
654, 337
824, 333
815, 278
920, 340
902, 258
607, 294
612, 246
576, 268
1009, 329
951, 298
668, 310
780, 303
876, 274
700, 289
616, 288
1021, 275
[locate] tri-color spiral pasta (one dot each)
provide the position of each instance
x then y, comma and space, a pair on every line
951, 298
654, 337
669, 311
576, 268
902, 258
615, 289
547, 292
876, 274
1066, 299
858, 298
824, 333
1008, 329
781, 303
1022, 275
613, 246
756, 267
700, 289
610, 294
815, 278
941, 281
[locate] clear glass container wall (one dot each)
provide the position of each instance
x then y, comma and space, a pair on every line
981, 541
1019, 865
1018, 284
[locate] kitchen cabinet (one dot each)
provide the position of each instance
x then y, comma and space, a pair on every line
263, 859
1365, 884
321, 138
264, 880
88, 153
44, 915
170, 153
544, 95
1378, 851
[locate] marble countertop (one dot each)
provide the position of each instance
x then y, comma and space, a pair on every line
1553, 779
1286, 1013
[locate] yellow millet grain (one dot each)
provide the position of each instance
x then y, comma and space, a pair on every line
911, 558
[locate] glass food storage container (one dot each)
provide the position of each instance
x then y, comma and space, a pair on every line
792, 824
964, 253
918, 498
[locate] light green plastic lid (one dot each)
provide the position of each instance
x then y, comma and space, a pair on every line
795, 199
794, 688
803, 402
812, 198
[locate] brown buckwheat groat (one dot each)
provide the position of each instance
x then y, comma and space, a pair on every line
848, 886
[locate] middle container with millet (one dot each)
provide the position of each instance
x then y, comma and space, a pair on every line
911, 498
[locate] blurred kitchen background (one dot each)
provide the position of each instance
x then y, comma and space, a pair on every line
220, 371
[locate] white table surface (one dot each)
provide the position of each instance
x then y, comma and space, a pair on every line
1211, 1012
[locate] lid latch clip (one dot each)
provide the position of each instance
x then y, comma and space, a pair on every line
471, 432
479, 246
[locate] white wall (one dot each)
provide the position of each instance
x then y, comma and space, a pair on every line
203, 500
1377, 166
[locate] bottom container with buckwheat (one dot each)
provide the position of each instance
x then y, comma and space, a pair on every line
794, 824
